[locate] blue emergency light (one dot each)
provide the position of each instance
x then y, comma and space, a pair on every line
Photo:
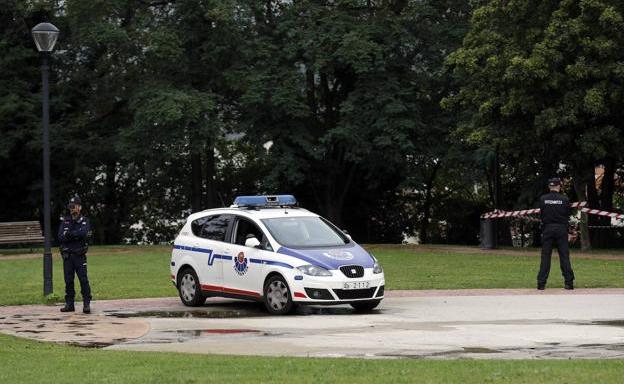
266, 201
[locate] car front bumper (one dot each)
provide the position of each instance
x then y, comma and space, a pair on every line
332, 290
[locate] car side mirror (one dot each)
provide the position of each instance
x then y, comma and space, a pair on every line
252, 242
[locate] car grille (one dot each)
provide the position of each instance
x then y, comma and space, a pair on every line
348, 294
352, 271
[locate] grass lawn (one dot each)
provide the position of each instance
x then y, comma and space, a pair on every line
143, 271
25, 361
407, 268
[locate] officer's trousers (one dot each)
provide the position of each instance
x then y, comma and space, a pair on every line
555, 234
76, 264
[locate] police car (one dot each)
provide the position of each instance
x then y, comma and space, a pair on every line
266, 248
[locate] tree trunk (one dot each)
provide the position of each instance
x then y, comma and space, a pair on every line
196, 182
580, 186
211, 198
604, 237
111, 233
423, 237
335, 191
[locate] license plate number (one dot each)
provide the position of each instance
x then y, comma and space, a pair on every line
356, 285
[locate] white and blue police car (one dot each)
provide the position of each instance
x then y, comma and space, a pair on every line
266, 248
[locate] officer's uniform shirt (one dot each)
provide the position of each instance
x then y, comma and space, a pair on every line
555, 209
73, 233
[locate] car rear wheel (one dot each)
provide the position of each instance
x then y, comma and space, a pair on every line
190, 289
365, 306
277, 297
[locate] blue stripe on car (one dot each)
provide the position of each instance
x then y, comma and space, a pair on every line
317, 256
226, 257
270, 262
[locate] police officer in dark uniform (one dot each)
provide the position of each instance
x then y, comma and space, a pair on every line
72, 237
555, 211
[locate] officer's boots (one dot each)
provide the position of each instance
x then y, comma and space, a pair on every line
68, 308
86, 308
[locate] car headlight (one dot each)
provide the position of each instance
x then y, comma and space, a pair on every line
377, 268
313, 270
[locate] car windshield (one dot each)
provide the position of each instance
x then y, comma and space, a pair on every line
306, 232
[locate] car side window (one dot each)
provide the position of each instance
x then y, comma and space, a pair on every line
246, 228
211, 227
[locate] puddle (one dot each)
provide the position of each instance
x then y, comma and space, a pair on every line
209, 314
208, 332
480, 350
454, 353
79, 323
311, 310
228, 312
613, 323
88, 344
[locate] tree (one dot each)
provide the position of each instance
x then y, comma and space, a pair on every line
541, 79
20, 116
333, 89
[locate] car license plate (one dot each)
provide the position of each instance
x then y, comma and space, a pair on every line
356, 285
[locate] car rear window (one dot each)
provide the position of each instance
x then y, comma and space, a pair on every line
211, 227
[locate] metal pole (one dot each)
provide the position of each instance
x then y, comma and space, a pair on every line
47, 254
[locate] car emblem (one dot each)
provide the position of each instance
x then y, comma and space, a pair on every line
339, 255
240, 264
353, 270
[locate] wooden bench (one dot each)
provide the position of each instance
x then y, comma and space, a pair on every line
21, 232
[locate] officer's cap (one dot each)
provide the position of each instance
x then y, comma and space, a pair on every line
75, 200
554, 182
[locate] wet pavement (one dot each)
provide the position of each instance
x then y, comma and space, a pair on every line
495, 324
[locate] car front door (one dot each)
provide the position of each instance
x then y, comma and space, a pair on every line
244, 274
209, 249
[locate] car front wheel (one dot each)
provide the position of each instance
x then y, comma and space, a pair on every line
277, 297
190, 289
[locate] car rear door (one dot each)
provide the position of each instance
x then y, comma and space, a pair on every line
209, 249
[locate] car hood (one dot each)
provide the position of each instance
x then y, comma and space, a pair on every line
332, 258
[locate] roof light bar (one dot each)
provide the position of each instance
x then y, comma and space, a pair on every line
265, 201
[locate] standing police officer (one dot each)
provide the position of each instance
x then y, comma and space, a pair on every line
72, 237
555, 212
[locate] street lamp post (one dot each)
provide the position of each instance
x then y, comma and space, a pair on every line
45, 35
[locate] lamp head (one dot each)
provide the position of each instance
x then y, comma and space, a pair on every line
45, 35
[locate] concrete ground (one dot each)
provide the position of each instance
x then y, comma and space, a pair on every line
493, 324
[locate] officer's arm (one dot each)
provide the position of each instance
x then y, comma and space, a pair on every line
542, 206
61, 232
81, 232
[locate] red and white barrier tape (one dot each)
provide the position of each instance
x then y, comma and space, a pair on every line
598, 212
534, 211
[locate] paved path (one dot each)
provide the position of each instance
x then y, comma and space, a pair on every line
501, 324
